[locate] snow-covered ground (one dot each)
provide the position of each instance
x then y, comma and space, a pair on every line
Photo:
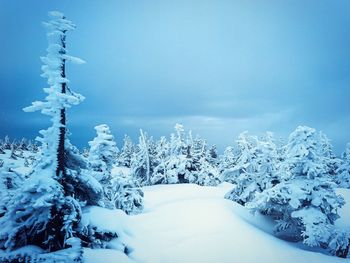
191, 223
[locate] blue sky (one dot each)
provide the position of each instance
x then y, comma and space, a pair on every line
218, 67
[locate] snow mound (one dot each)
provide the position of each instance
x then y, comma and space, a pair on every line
191, 223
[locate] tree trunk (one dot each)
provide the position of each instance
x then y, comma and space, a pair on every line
60, 170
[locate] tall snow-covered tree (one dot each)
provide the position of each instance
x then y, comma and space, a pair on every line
304, 204
44, 211
59, 95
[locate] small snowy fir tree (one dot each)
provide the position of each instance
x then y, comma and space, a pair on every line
144, 160
227, 162
126, 153
102, 156
304, 204
245, 152
162, 155
343, 171
326, 151
44, 212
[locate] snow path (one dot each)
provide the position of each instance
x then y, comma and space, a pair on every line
190, 223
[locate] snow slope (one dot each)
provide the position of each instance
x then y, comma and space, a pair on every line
191, 223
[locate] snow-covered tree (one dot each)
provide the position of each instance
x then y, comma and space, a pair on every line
23, 144
326, 151
304, 203
144, 159
2, 150
242, 158
213, 156
44, 211
102, 156
343, 171
159, 175
261, 156
126, 153
127, 194
33, 147
227, 161
199, 169
7, 143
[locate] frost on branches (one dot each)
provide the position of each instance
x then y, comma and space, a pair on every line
304, 203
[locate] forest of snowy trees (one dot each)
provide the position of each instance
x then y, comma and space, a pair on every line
46, 185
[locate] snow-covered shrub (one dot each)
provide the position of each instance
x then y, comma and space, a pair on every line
126, 194
10, 181
339, 242
304, 203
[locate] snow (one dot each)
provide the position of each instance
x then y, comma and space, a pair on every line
106, 220
105, 255
18, 163
191, 223
121, 170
